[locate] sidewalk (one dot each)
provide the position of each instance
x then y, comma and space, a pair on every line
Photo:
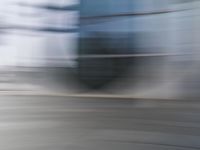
13, 80
60, 82
35, 79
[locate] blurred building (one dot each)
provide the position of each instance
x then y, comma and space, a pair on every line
44, 32
39, 32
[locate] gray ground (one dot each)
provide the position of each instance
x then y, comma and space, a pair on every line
64, 123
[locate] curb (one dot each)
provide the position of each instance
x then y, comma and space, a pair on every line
78, 95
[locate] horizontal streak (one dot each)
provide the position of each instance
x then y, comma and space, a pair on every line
134, 14
102, 56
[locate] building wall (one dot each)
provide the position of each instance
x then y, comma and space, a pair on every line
40, 32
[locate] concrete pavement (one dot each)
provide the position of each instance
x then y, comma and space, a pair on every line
53, 122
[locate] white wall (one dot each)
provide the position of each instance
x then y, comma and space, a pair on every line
34, 48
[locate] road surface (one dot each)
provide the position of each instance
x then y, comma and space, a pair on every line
64, 123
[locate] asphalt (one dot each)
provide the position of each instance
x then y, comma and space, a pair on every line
67, 123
